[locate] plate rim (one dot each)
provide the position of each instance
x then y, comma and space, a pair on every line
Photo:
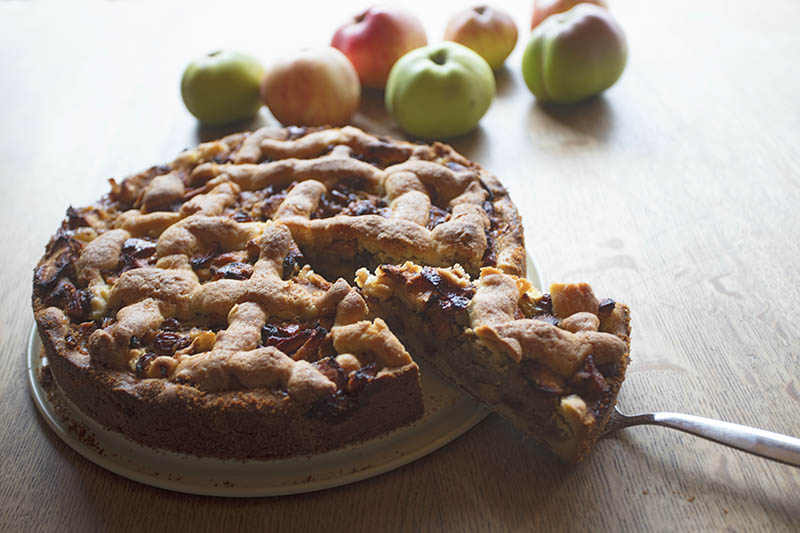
61, 429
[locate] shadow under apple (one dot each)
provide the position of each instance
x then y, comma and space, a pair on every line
473, 145
205, 132
586, 122
504, 81
373, 117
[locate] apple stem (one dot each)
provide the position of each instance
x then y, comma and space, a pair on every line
439, 57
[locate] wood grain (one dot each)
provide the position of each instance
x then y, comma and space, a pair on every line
677, 192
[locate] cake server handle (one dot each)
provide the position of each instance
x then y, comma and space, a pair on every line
766, 444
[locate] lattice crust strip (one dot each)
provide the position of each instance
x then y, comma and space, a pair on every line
440, 208
147, 296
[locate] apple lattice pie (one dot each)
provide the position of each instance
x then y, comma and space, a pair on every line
263, 295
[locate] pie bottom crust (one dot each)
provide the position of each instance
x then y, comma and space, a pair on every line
253, 424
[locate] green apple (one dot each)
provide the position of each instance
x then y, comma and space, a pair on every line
440, 90
574, 55
222, 87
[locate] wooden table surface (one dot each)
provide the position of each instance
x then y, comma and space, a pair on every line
676, 192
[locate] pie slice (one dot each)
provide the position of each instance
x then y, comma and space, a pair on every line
204, 306
551, 363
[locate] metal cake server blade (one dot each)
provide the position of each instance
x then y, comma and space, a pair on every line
766, 444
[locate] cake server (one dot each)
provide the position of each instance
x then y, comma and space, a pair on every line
774, 446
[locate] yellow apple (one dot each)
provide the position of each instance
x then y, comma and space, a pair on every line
490, 32
314, 87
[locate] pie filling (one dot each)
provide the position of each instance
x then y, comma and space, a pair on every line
202, 296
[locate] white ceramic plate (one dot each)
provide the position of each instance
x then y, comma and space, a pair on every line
448, 415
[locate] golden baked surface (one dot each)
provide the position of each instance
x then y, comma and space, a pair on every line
202, 297
200, 275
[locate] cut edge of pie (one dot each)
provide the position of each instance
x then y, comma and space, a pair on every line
244, 424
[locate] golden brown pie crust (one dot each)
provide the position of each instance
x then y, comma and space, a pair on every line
186, 308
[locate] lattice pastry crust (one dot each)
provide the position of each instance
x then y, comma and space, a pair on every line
190, 308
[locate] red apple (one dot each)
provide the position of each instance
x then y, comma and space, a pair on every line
376, 38
544, 8
315, 87
486, 30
